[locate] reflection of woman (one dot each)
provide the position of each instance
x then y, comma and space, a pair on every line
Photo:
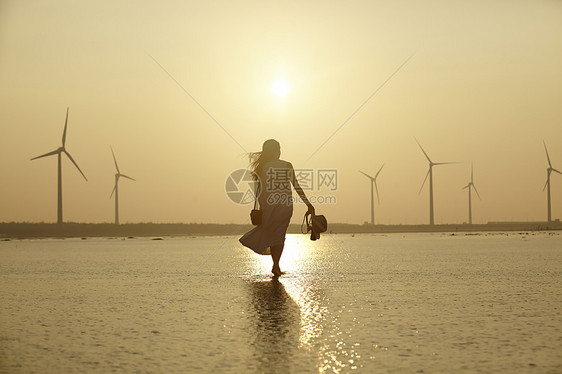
275, 326
276, 177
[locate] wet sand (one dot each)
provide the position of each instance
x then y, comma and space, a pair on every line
368, 303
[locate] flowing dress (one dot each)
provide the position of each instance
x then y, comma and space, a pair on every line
276, 204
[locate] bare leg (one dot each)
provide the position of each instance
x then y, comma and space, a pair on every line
276, 252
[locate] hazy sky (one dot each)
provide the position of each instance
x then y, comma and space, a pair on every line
484, 86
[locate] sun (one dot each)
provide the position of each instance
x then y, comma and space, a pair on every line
280, 88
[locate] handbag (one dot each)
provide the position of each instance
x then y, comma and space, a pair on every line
256, 214
315, 224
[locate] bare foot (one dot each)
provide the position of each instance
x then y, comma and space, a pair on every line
277, 271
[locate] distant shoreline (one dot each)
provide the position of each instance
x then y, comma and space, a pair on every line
15, 230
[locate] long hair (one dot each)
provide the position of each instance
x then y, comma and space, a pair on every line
270, 151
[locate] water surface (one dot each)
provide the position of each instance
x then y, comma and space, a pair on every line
367, 303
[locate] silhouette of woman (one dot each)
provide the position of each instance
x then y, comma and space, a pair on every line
275, 177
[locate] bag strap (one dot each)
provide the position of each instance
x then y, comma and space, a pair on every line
308, 224
258, 189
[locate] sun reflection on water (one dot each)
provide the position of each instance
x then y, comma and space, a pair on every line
297, 254
298, 257
320, 330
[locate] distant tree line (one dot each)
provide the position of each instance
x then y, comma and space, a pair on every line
16, 230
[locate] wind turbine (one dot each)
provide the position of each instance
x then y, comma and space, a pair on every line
549, 171
116, 188
59, 152
373, 186
430, 174
470, 186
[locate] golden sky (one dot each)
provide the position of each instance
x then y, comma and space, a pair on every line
484, 86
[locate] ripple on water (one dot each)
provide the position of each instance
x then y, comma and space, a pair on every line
391, 303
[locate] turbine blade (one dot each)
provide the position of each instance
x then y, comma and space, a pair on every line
114, 159
377, 190
124, 176
64, 132
47, 154
558, 171
547, 179
445, 163
367, 175
75, 164
423, 150
114, 188
378, 172
465, 187
475, 190
547, 156
427, 175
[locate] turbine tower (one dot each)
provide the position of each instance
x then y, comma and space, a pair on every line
549, 171
430, 174
116, 187
470, 186
59, 152
373, 187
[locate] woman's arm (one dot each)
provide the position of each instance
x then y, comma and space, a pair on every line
298, 188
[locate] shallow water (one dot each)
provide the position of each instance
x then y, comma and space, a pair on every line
367, 303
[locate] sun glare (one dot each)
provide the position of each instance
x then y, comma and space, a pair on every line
280, 88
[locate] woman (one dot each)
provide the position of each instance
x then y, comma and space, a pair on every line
275, 178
